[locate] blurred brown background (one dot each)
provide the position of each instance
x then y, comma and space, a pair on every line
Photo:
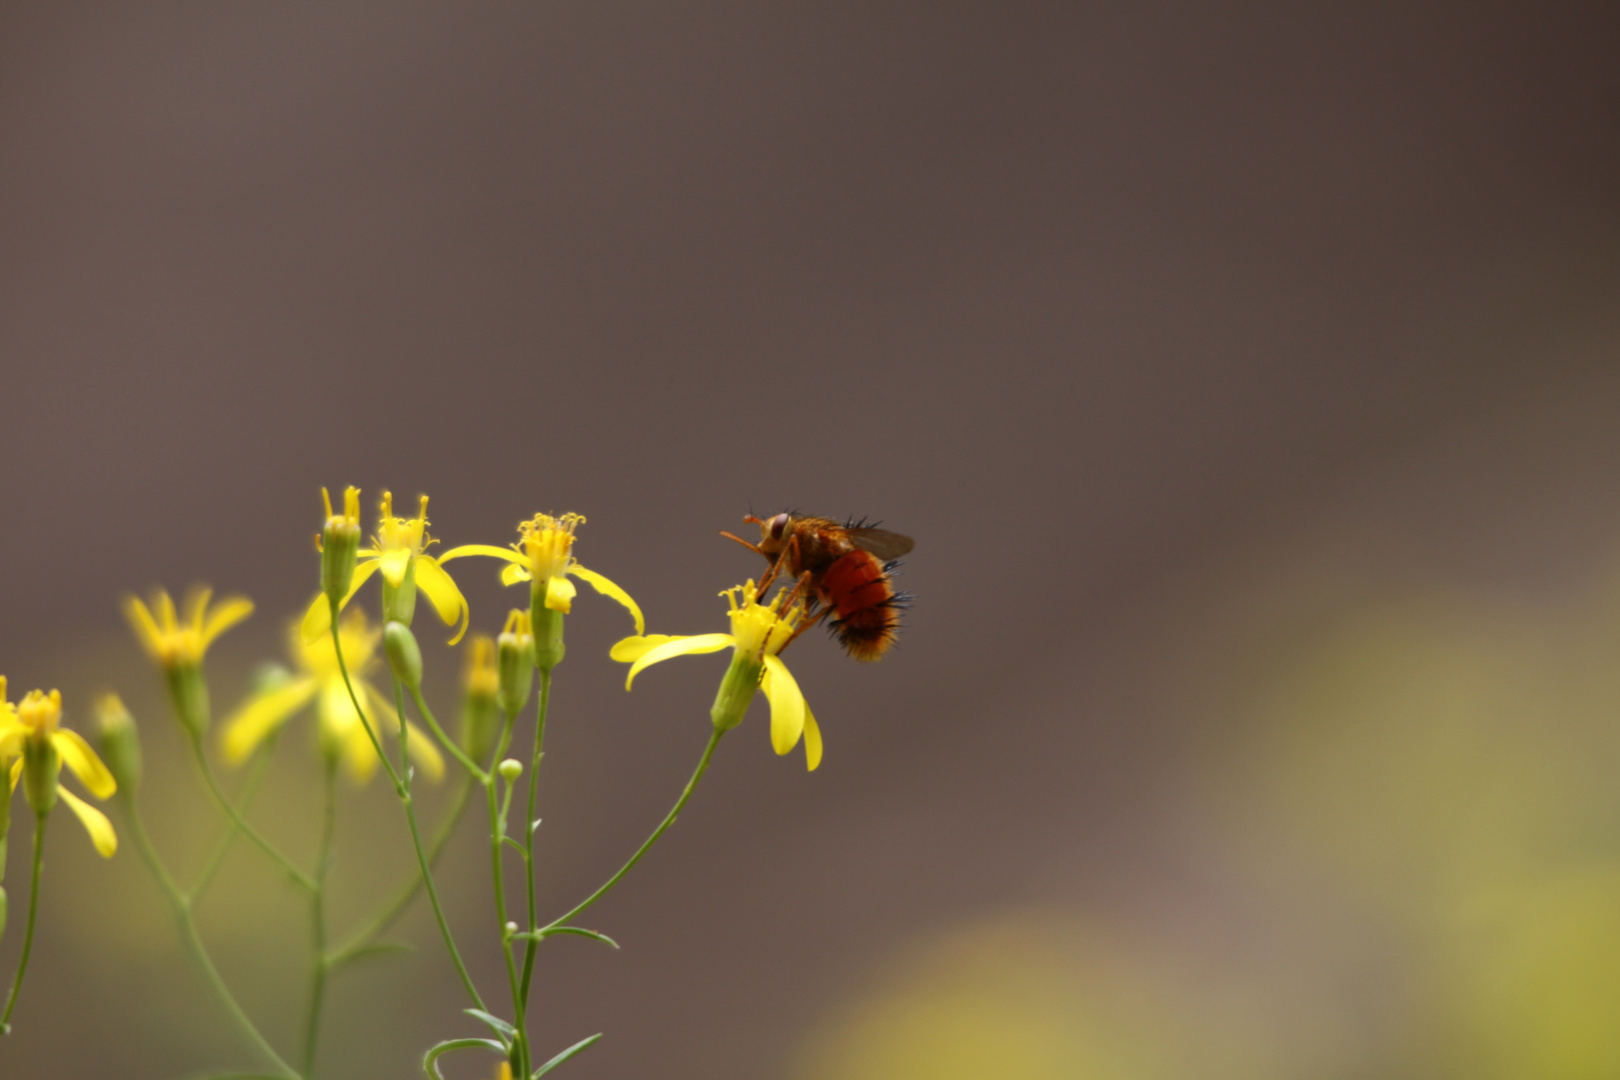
1245, 373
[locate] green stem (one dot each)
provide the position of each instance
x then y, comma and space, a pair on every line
250, 789
497, 841
371, 733
542, 709
33, 913
194, 944
408, 890
200, 759
323, 863
669, 819
449, 744
421, 856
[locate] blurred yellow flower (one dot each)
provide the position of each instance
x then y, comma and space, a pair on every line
544, 556
174, 642
758, 633
36, 720
399, 548
319, 679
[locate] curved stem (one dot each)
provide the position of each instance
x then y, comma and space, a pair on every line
250, 789
200, 759
33, 913
323, 863
421, 856
194, 944
663, 827
371, 732
541, 711
408, 890
449, 744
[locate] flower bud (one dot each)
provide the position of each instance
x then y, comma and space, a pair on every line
480, 716
510, 769
340, 543
516, 651
120, 742
736, 690
404, 655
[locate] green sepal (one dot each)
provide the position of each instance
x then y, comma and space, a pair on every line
430, 1060
583, 1044
399, 604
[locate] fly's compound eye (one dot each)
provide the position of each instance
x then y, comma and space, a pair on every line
778, 526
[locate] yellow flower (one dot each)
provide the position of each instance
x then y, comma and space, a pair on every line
758, 633
180, 643
319, 679
544, 556
36, 721
398, 550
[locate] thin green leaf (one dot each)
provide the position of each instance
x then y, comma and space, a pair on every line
502, 1028
583, 1044
582, 932
430, 1061
515, 846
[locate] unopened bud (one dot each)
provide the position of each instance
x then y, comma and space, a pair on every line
480, 718
736, 691
340, 542
516, 649
510, 769
404, 655
120, 742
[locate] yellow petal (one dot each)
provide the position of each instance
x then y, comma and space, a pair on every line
560, 594
94, 821
164, 604
812, 739
787, 704
425, 753
318, 619
246, 728
629, 650
441, 589
611, 591
197, 598
483, 549
394, 564
83, 763
678, 646
513, 573
16, 771
145, 627
231, 610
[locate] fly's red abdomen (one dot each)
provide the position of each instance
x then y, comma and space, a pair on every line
864, 604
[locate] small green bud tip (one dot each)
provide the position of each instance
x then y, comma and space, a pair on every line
404, 655
120, 741
340, 544
736, 691
510, 770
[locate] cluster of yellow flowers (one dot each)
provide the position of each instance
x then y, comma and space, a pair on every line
336, 656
